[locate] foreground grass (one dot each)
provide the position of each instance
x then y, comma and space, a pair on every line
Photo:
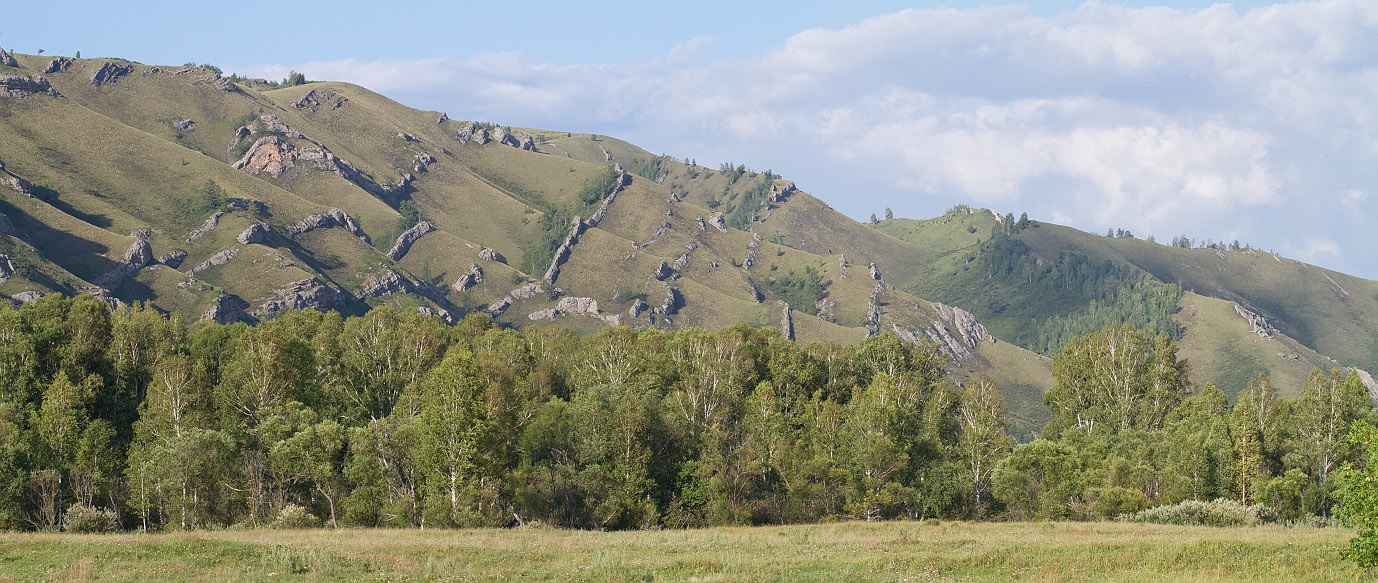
901, 551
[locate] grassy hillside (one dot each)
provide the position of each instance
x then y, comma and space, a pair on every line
893, 551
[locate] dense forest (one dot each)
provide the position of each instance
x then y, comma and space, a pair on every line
128, 418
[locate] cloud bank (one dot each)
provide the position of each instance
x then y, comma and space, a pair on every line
1258, 125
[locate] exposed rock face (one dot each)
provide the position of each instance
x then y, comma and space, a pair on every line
488, 254
269, 154
141, 233
257, 233
956, 331
786, 321
480, 136
173, 259
466, 132
227, 309
718, 222
421, 161
842, 266
607, 201
873, 311
57, 65
637, 308
749, 260
441, 119
471, 278
16, 184
1257, 324
205, 227
19, 87
150, 71
184, 125
27, 297
662, 271
136, 257
500, 136
780, 191
328, 219
577, 305
827, 309
702, 226
387, 284
274, 125
315, 99
406, 137
682, 262
875, 273
562, 253
526, 292
525, 142
109, 72
546, 314
6, 268
1369, 384
405, 240
307, 293
670, 305
496, 309
220, 258
7, 60
607, 156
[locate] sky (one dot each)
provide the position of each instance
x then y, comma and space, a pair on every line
1249, 121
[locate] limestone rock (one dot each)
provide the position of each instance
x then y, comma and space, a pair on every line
184, 125
662, 271
220, 258
328, 219
718, 222
136, 257
150, 71
873, 311
780, 190
406, 137
749, 260
786, 321
842, 266
8, 60
308, 293
480, 136
405, 240
670, 305
421, 161
19, 86
210, 223
58, 65
27, 297
1367, 380
546, 314
173, 259
827, 309
577, 305
525, 142
269, 154
272, 124
6, 268
526, 292
875, 273
496, 309
387, 284
471, 278
682, 262
956, 331
488, 254
441, 119
257, 233
315, 99
227, 309
139, 254
637, 308
141, 233
466, 132
109, 72
1257, 324
500, 136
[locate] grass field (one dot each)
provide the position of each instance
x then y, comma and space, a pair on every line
898, 551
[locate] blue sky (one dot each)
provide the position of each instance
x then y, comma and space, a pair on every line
1246, 121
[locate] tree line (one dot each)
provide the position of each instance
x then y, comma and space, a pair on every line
393, 419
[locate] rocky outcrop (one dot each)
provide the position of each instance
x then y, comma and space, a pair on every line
328, 219
109, 72
1367, 380
405, 240
749, 260
184, 125
205, 227
257, 233
956, 331
525, 142
682, 262
272, 124
573, 305
441, 119
672, 303
136, 257
827, 309
500, 135
300, 295
387, 284
173, 259
662, 271
637, 308
618, 184
269, 154
6, 268
786, 321
19, 87
1257, 324
471, 278
8, 60
220, 258
27, 297
406, 137
15, 183
718, 222
421, 161
480, 136
141, 233
150, 71
57, 65
779, 191
875, 273
562, 253
873, 311
702, 226
546, 314
316, 99
497, 308
526, 292
842, 266
607, 156
466, 132
488, 254
227, 309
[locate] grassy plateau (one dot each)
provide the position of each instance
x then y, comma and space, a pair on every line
889, 551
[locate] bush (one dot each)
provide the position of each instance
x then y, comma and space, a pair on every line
1218, 512
293, 516
87, 519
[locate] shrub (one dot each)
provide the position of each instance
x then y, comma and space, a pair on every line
293, 516
1218, 512
87, 519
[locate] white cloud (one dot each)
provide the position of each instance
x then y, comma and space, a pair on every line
1164, 121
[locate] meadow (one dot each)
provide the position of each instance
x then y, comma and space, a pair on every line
852, 551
